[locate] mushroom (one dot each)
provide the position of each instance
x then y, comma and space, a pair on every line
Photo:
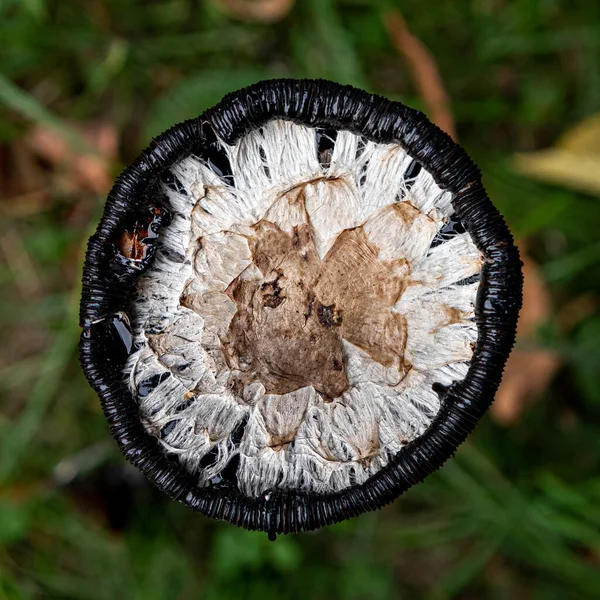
297, 305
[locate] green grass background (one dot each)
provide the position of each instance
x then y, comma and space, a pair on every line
516, 514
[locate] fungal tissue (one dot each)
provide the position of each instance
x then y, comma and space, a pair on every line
309, 298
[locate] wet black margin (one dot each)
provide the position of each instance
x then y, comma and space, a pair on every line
324, 104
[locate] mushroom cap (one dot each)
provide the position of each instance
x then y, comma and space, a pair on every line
297, 305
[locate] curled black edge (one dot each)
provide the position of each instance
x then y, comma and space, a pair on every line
314, 103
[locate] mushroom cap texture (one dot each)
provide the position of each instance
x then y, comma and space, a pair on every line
283, 261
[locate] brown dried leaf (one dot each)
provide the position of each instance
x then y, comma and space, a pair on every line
265, 11
576, 310
23, 181
83, 172
424, 70
20, 175
528, 371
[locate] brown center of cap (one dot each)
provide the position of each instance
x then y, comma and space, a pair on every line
291, 319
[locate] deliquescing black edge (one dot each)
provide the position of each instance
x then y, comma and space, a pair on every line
323, 103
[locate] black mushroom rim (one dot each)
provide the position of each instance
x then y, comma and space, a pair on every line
297, 305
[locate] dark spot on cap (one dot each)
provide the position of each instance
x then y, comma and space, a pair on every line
326, 139
167, 429
440, 389
272, 297
328, 316
135, 240
272, 301
324, 397
238, 433
115, 337
185, 404
150, 384
229, 473
469, 280
210, 458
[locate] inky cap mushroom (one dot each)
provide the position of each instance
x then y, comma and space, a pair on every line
297, 305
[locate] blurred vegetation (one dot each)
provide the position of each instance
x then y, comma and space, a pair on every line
516, 514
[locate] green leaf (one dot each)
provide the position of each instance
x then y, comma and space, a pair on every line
29, 107
14, 521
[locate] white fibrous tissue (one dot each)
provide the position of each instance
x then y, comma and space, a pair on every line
302, 311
